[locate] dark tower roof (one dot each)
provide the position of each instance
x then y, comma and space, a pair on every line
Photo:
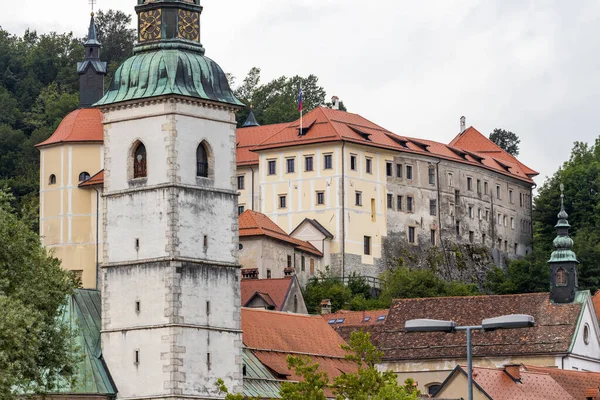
91, 70
250, 121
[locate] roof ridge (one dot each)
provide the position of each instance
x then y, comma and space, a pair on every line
337, 133
470, 297
259, 310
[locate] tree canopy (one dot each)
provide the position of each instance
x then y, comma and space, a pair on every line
35, 349
506, 140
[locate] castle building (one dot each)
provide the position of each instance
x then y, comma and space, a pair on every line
379, 193
69, 215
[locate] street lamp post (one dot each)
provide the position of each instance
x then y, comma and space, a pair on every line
514, 321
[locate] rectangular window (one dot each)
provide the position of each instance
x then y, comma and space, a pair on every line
358, 198
457, 228
282, 201
469, 183
471, 237
369, 165
500, 219
367, 245
272, 167
498, 192
320, 198
390, 201
457, 197
485, 188
291, 165
483, 238
373, 211
388, 168
478, 186
399, 203
505, 220
303, 263
516, 248
471, 212
269, 274
450, 180
433, 236
487, 215
308, 163
399, 170
433, 207
241, 182
512, 223
289, 261
506, 245
328, 161
411, 234
431, 175
520, 199
353, 162
409, 204
241, 210
510, 197
409, 171
479, 213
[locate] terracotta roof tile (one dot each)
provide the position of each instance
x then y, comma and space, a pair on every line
576, 383
324, 125
252, 223
532, 386
553, 331
272, 336
82, 125
97, 179
276, 289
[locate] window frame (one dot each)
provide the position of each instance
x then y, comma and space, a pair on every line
369, 165
353, 162
282, 201
290, 165
411, 234
410, 204
469, 183
328, 161
320, 198
367, 245
241, 179
390, 201
202, 161
433, 207
399, 171
140, 171
389, 169
431, 173
409, 172
309, 163
358, 198
271, 167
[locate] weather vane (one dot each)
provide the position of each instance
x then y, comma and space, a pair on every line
92, 3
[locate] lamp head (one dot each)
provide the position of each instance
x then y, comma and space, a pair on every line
429, 325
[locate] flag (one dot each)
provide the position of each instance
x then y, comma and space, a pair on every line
300, 101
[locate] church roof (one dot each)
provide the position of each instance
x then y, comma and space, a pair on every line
169, 72
275, 290
80, 126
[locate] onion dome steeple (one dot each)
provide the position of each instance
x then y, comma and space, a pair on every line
563, 261
91, 70
169, 58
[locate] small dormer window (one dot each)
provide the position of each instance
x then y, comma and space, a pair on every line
561, 277
140, 162
52, 180
84, 176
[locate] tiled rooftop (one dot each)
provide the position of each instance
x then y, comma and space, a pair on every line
276, 290
80, 126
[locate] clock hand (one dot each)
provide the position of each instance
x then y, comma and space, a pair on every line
145, 28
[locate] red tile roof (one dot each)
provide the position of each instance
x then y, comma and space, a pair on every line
252, 223
97, 179
272, 336
80, 126
576, 383
553, 332
276, 289
247, 138
323, 125
500, 386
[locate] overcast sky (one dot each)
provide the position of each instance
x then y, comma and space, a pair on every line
413, 67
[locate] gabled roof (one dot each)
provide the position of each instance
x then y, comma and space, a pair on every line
555, 326
317, 226
472, 140
274, 289
80, 126
252, 223
323, 125
576, 383
97, 179
272, 336
496, 384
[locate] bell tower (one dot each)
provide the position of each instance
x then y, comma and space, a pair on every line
91, 70
171, 277
563, 262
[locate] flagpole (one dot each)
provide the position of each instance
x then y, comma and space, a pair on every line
301, 108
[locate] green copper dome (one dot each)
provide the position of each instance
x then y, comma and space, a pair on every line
563, 244
169, 72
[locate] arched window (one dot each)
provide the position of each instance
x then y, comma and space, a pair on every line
201, 161
140, 162
433, 388
84, 176
52, 180
561, 277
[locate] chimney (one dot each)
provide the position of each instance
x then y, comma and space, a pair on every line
463, 124
514, 371
335, 103
326, 307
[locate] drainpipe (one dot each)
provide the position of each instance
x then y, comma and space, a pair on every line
252, 183
97, 237
343, 210
439, 211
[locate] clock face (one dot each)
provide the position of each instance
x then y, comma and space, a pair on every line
150, 25
189, 25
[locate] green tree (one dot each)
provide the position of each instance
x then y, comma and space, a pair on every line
506, 140
117, 38
402, 282
528, 275
35, 349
